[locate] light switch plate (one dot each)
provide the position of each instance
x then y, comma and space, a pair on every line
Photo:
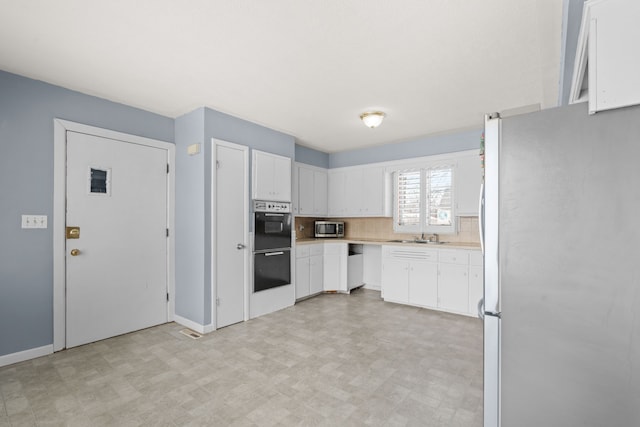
193, 149
34, 221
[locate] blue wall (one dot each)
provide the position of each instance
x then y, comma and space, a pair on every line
312, 157
190, 218
27, 110
427, 146
193, 198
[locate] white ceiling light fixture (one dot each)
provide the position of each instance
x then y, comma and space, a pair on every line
372, 119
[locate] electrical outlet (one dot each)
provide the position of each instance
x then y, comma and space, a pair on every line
34, 221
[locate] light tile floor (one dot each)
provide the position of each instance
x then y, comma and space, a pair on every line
333, 360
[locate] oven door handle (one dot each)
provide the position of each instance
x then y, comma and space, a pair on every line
272, 214
273, 253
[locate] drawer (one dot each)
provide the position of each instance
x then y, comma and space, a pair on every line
302, 251
410, 253
454, 257
475, 258
316, 249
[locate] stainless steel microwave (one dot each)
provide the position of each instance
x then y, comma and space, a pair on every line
329, 229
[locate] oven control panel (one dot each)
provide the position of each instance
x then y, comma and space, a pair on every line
268, 206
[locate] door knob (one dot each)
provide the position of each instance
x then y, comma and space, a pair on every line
240, 246
75, 252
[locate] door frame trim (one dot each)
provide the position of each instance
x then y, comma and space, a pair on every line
60, 128
214, 232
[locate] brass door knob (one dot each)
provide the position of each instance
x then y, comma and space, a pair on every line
75, 252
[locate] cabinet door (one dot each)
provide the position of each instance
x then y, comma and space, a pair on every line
305, 191
316, 274
395, 281
320, 193
475, 288
467, 185
338, 196
453, 287
263, 176
302, 277
282, 178
423, 284
613, 67
335, 267
353, 186
372, 192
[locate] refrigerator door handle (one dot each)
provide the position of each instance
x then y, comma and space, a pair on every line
481, 309
481, 217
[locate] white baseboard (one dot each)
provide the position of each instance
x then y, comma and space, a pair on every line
21, 356
203, 329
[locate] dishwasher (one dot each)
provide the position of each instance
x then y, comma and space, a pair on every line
354, 267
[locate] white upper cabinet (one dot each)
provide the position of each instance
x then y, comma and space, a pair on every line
468, 180
607, 64
337, 194
271, 177
358, 192
311, 191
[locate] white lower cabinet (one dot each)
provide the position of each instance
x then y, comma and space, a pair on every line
432, 278
395, 280
476, 281
335, 267
423, 284
309, 270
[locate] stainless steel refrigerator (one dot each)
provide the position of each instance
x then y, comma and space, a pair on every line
562, 268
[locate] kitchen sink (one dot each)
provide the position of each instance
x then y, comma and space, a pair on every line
424, 242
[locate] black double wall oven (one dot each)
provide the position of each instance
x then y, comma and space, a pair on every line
272, 245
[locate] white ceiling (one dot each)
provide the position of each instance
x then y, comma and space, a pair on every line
306, 68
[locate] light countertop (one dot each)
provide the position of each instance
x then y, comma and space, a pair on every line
364, 241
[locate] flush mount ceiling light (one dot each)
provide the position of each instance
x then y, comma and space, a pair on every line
372, 119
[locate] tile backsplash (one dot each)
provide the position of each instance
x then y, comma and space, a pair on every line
382, 228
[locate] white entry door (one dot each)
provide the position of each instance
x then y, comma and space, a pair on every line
231, 217
116, 270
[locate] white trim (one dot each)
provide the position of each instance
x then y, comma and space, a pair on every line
245, 212
203, 329
581, 60
59, 216
21, 356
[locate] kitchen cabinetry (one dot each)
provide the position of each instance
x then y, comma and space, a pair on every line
410, 275
309, 270
337, 194
432, 278
453, 281
271, 177
606, 69
467, 185
476, 281
335, 267
311, 190
359, 192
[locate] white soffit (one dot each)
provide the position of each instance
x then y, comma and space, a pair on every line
306, 68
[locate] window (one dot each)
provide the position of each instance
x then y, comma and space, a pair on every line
99, 181
423, 201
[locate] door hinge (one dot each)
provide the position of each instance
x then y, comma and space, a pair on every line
167, 167
167, 232
217, 164
218, 302
167, 296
